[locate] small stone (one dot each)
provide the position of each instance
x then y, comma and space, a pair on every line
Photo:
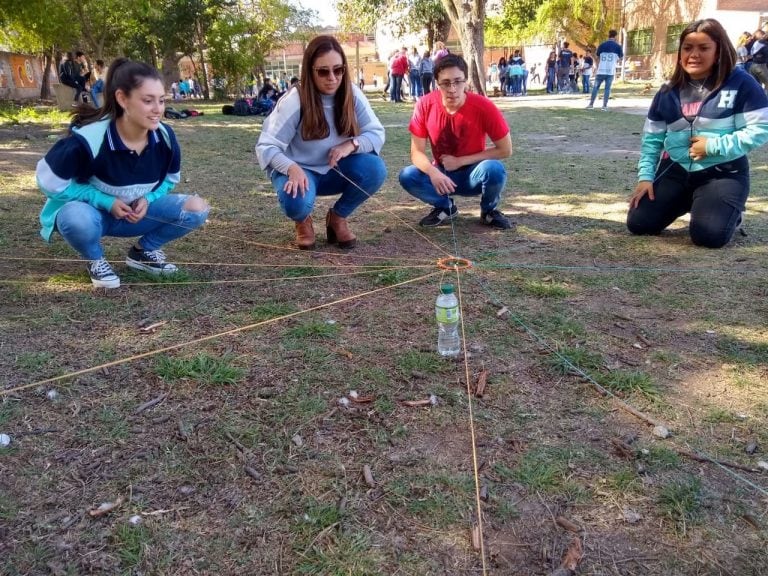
135, 520
433, 400
711, 332
330, 322
297, 440
660, 431
631, 517
5, 440
52, 394
353, 394
187, 490
344, 401
763, 465
751, 448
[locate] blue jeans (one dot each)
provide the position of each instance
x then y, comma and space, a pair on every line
599, 79
715, 197
395, 89
96, 91
366, 170
416, 88
83, 225
550, 80
585, 83
486, 178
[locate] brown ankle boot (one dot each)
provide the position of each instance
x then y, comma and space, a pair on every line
305, 234
337, 230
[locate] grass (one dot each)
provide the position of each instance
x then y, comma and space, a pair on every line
681, 503
571, 278
201, 368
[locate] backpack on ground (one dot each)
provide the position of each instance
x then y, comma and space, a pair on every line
173, 114
228, 110
241, 107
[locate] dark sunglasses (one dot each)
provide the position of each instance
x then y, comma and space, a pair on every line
338, 71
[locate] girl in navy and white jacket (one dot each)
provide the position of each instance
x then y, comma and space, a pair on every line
699, 129
112, 176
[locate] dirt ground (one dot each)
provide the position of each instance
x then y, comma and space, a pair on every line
232, 454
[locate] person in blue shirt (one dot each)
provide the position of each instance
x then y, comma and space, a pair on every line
608, 55
699, 129
564, 68
112, 174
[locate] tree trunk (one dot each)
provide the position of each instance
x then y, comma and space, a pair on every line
45, 84
170, 70
468, 17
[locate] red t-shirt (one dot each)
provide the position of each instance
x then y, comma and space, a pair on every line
459, 134
400, 65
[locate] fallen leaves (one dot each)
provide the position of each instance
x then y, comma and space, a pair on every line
106, 507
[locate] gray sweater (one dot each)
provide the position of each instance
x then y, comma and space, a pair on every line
280, 144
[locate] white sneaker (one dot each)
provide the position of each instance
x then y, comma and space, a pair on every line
102, 275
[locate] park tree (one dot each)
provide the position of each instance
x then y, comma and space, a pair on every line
401, 16
467, 17
584, 22
246, 31
39, 27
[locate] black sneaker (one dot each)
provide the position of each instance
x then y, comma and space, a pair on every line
102, 275
439, 216
496, 219
152, 261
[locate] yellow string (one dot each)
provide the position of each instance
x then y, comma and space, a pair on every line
475, 468
210, 337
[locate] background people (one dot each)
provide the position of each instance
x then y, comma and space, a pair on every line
608, 54
323, 139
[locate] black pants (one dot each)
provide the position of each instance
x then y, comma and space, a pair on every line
715, 197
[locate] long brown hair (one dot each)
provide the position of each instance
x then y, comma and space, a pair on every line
313, 123
123, 74
726, 53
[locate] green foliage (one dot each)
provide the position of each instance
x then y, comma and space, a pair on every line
401, 16
681, 502
131, 543
201, 368
628, 382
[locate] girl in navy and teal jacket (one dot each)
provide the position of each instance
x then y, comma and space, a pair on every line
699, 129
113, 174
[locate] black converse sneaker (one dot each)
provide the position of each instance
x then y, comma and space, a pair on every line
439, 216
496, 219
152, 261
102, 274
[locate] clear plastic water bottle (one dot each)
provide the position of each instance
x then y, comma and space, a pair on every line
447, 314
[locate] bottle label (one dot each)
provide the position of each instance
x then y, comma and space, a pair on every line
447, 315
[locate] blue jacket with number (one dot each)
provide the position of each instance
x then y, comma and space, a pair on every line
733, 119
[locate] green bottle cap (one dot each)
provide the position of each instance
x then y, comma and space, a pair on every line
446, 289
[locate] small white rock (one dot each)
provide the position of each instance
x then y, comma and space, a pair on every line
631, 517
135, 519
4, 440
52, 394
433, 399
330, 322
344, 401
762, 464
644, 451
660, 431
353, 394
297, 440
711, 332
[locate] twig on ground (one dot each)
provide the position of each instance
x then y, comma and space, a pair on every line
150, 403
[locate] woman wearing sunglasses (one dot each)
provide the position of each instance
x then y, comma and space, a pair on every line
321, 140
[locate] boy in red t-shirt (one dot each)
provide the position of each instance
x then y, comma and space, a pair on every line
456, 124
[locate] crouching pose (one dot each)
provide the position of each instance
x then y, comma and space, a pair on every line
456, 123
321, 140
699, 129
111, 176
